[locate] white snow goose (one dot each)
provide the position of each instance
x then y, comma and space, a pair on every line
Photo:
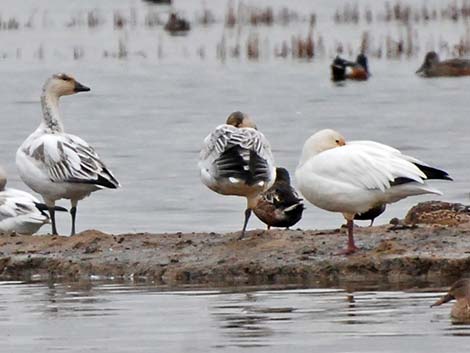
236, 159
20, 212
58, 165
357, 176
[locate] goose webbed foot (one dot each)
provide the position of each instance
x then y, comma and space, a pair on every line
351, 248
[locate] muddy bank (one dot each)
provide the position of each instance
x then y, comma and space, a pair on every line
431, 245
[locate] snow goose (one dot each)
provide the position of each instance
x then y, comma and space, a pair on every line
236, 159
20, 212
358, 176
58, 165
280, 206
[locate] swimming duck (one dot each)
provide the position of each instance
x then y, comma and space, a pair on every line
357, 176
58, 165
161, 2
177, 24
236, 159
460, 291
280, 206
432, 67
346, 70
20, 212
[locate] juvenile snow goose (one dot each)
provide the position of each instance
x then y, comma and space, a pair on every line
236, 159
358, 176
58, 165
20, 212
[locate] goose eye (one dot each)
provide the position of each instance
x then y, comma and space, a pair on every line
65, 78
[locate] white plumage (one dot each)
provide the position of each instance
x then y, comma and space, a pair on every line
236, 159
356, 176
20, 212
56, 164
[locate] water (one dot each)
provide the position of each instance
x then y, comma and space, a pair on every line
147, 115
126, 318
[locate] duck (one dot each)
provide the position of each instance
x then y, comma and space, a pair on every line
236, 159
356, 176
159, 2
460, 291
433, 67
342, 69
177, 24
280, 205
372, 214
58, 165
20, 212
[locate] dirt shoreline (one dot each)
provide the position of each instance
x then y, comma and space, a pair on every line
432, 245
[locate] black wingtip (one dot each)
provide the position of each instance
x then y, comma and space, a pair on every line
434, 173
43, 207
101, 181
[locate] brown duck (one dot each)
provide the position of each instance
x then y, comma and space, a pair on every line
433, 67
280, 206
460, 291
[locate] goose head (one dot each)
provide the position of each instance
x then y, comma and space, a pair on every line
63, 85
239, 119
321, 141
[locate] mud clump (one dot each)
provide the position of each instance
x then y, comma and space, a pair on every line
438, 213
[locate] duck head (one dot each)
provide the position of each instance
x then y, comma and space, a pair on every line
282, 175
362, 60
459, 290
430, 60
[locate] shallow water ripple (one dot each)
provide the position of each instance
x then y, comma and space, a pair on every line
124, 318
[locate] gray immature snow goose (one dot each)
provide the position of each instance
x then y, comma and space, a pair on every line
236, 159
58, 165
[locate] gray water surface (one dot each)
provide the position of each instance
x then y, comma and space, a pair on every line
128, 318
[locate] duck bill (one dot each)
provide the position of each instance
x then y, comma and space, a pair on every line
80, 88
420, 71
446, 298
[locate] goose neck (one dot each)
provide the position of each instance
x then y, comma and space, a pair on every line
50, 111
